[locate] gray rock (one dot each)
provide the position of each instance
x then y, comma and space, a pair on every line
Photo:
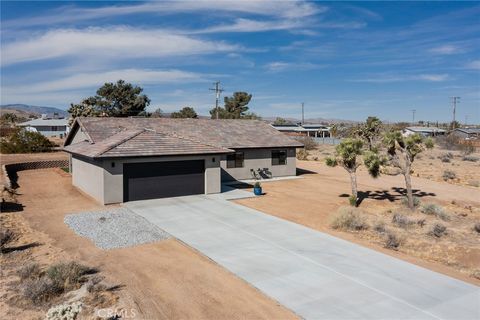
114, 228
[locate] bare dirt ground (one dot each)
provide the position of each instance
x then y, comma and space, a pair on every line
314, 199
431, 164
163, 280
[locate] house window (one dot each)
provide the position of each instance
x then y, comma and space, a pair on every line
235, 160
279, 157
54, 128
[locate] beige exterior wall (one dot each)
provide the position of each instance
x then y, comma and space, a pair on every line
79, 136
259, 159
87, 175
113, 175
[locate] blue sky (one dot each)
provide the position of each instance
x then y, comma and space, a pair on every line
343, 59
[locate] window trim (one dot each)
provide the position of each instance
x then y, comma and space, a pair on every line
276, 155
238, 160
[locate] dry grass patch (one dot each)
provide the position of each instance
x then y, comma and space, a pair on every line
348, 218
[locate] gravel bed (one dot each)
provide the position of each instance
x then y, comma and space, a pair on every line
114, 228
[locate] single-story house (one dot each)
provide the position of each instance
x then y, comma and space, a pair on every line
424, 131
310, 130
47, 127
467, 133
124, 159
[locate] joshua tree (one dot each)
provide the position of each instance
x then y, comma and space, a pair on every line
401, 153
370, 131
346, 154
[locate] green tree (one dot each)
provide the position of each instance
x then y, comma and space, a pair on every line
401, 153
235, 107
86, 108
120, 99
346, 155
158, 113
280, 121
186, 112
334, 130
24, 141
370, 132
9, 118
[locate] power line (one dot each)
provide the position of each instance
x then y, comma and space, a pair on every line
455, 100
218, 91
303, 113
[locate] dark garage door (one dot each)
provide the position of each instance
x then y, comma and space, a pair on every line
152, 180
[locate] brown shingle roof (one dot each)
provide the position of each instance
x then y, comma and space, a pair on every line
116, 137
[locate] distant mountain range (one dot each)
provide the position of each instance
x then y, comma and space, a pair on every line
312, 120
33, 110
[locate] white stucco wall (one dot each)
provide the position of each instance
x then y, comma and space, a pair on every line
259, 159
88, 176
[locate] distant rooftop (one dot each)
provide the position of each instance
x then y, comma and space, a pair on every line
469, 130
425, 129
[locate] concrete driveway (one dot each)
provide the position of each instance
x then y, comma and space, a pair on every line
315, 275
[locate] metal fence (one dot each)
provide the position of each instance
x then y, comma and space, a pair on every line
327, 140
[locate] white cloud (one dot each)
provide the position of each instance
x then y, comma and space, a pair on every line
433, 77
109, 43
247, 25
446, 49
95, 80
400, 78
475, 65
278, 66
278, 9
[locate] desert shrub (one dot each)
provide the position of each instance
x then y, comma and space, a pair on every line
392, 241
64, 312
449, 142
23, 141
446, 157
438, 230
348, 218
67, 275
470, 158
433, 209
352, 200
6, 236
402, 221
29, 271
474, 183
379, 227
476, 227
308, 142
41, 289
449, 175
467, 148
302, 154
416, 201
94, 284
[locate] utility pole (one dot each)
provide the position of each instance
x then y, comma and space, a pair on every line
413, 116
218, 91
455, 100
303, 113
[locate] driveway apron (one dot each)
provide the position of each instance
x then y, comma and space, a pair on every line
315, 275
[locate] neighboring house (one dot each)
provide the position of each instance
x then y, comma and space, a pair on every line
424, 131
47, 127
467, 133
123, 159
311, 130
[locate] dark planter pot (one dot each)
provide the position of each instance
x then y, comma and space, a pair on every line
257, 191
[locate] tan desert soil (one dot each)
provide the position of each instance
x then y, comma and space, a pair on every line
163, 280
429, 165
313, 199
